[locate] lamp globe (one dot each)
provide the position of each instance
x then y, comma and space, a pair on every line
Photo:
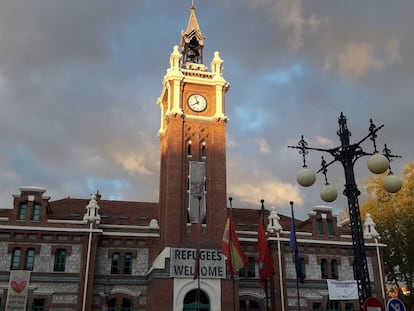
306, 177
378, 163
392, 183
328, 193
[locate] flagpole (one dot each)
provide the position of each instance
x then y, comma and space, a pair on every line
231, 257
198, 253
262, 218
296, 255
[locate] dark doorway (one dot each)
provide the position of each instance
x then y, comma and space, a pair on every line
191, 301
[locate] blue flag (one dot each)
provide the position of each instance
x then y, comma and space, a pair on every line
294, 245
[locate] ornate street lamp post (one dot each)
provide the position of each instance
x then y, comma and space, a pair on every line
347, 154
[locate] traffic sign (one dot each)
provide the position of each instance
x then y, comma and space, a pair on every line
373, 304
395, 304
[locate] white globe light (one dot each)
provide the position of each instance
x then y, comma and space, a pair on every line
329, 193
392, 183
378, 163
306, 177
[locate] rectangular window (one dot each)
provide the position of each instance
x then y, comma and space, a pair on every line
332, 306
319, 229
349, 307
60, 260
354, 270
303, 267
334, 268
16, 256
115, 264
316, 306
36, 211
324, 269
242, 272
30, 258
251, 270
38, 305
330, 227
22, 211
128, 263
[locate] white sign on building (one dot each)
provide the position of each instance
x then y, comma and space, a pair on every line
342, 290
18, 290
212, 263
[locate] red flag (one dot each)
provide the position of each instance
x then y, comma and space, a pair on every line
265, 256
230, 247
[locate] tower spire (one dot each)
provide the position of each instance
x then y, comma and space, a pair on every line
192, 39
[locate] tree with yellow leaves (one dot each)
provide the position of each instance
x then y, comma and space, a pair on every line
394, 218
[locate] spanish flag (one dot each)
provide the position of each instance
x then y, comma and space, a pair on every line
230, 247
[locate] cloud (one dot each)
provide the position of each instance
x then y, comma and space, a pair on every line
274, 192
358, 59
263, 145
323, 141
288, 14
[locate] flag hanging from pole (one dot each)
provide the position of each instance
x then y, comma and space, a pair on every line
265, 259
197, 173
230, 247
294, 245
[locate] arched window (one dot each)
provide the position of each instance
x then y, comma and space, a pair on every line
22, 211
116, 263
16, 257
194, 299
248, 305
128, 263
324, 269
60, 260
30, 258
36, 211
334, 269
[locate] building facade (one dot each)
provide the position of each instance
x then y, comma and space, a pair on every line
95, 254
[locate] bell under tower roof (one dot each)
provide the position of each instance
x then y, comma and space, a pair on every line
192, 40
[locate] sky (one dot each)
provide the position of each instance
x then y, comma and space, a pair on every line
79, 81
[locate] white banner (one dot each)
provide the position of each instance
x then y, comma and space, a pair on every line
18, 290
342, 290
212, 263
197, 181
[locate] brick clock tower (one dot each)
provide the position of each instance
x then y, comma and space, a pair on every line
193, 129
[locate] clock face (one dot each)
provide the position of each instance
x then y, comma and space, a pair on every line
197, 102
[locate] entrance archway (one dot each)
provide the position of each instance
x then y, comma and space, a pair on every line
191, 303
